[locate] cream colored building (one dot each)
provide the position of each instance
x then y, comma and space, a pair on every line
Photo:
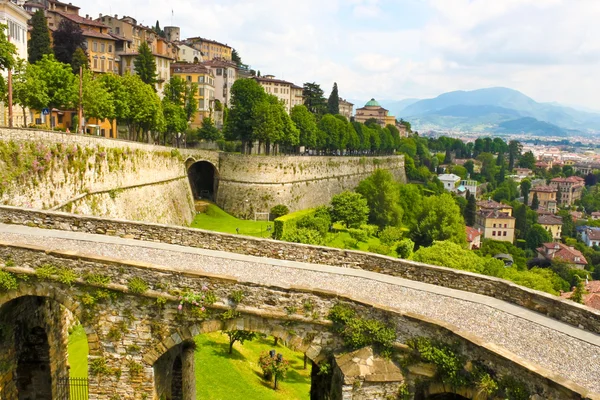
553, 224
570, 188
203, 77
189, 54
346, 109
372, 110
16, 19
210, 48
225, 73
289, 93
496, 225
546, 196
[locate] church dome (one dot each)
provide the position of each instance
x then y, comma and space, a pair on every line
372, 103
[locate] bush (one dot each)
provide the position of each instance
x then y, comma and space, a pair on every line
405, 248
7, 281
391, 235
303, 235
358, 234
379, 249
288, 222
314, 223
371, 230
279, 211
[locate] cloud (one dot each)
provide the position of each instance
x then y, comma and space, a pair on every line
400, 48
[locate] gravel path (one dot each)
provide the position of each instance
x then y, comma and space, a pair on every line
577, 359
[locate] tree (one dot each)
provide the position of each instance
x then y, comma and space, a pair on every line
521, 222
237, 335
349, 208
67, 39
208, 130
273, 366
80, 59
537, 236
313, 98
525, 188
245, 95
39, 43
267, 122
527, 160
535, 202
28, 89
381, 192
145, 111
97, 99
333, 103
114, 85
568, 225
579, 292
439, 219
157, 30
145, 65
471, 210
514, 152
235, 57
57, 82
306, 124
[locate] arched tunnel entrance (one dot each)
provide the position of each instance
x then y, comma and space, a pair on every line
33, 364
204, 180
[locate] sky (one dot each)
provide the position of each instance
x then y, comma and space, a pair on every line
397, 49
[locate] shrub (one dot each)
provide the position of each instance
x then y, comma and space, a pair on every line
379, 249
371, 230
137, 285
314, 223
358, 234
279, 211
405, 248
7, 281
391, 235
303, 235
97, 279
288, 222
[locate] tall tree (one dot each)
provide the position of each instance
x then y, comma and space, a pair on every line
440, 219
80, 59
349, 208
306, 124
381, 191
525, 188
208, 131
97, 99
535, 202
313, 98
537, 236
245, 95
145, 110
333, 103
514, 152
39, 43
527, 160
235, 57
8, 51
471, 210
28, 88
157, 30
145, 65
521, 221
114, 85
58, 83
67, 39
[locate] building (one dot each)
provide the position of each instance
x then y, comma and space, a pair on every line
491, 205
372, 110
471, 185
450, 181
570, 189
559, 251
523, 172
496, 225
172, 33
289, 93
595, 215
591, 237
203, 77
473, 238
189, 54
552, 224
51, 6
225, 73
591, 298
546, 196
210, 49
346, 109
16, 19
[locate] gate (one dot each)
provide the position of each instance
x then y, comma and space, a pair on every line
73, 389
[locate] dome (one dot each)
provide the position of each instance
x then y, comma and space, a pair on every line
372, 103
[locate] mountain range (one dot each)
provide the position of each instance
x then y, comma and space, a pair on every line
494, 111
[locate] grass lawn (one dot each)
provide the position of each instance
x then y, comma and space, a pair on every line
220, 376
78, 352
215, 219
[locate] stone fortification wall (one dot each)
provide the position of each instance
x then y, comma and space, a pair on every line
95, 176
555, 307
249, 184
263, 309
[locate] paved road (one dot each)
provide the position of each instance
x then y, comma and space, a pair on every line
564, 349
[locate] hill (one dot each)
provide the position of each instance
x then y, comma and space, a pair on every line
490, 111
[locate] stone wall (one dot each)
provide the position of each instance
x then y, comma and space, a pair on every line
249, 184
555, 307
93, 176
120, 317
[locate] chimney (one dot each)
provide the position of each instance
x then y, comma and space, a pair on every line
87, 16
100, 16
116, 16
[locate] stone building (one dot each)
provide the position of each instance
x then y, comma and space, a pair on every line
346, 108
289, 93
373, 110
204, 78
570, 189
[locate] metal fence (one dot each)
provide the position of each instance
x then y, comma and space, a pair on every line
73, 389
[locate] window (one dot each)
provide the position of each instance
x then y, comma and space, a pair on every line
110, 66
219, 71
493, 233
95, 63
189, 78
110, 48
201, 79
494, 225
505, 225
102, 65
275, 90
95, 46
201, 92
201, 104
504, 233
117, 30
102, 47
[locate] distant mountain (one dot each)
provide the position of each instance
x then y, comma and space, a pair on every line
497, 110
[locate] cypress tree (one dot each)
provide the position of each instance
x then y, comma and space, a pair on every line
470, 210
145, 65
39, 43
535, 202
333, 103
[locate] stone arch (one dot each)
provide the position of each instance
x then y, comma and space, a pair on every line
174, 373
440, 391
203, 177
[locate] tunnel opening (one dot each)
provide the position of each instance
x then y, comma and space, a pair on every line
34, 381
203, 180
177, 380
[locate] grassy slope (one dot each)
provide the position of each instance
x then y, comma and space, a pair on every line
220, 376
215, 219
78, 352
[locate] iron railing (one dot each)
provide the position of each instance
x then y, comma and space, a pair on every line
73, 389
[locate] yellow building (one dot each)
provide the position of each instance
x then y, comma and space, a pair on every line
546, 196
496, 225
372, 110
210, 48
204, 78
63, 120
552, 224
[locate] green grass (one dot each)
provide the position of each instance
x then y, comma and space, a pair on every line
78, 352
215, 219
220, 376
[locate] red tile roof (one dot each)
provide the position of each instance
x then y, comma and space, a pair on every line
571, 179
491, 204
80, 20
545, 189
472, 233
592, 298
548, 219
494, 214
559, 250
593, 234
93, 33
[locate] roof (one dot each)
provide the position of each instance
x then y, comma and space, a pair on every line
493, 205
472, 233
215, 62
92, 33
591, 298
495, 214
189, 68
564, 252
596, 214
201, 39
449, 177
549, 219
59, 3
372, 103
262, 79
544, 188
593, 234
571, 179
80, 20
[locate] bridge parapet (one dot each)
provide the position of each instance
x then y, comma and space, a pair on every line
131, 314
555, 307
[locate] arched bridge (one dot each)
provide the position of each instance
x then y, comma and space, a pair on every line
126, 294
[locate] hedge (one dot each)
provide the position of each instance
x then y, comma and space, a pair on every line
288, 221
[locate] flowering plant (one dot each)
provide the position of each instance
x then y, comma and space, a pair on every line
197, 301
